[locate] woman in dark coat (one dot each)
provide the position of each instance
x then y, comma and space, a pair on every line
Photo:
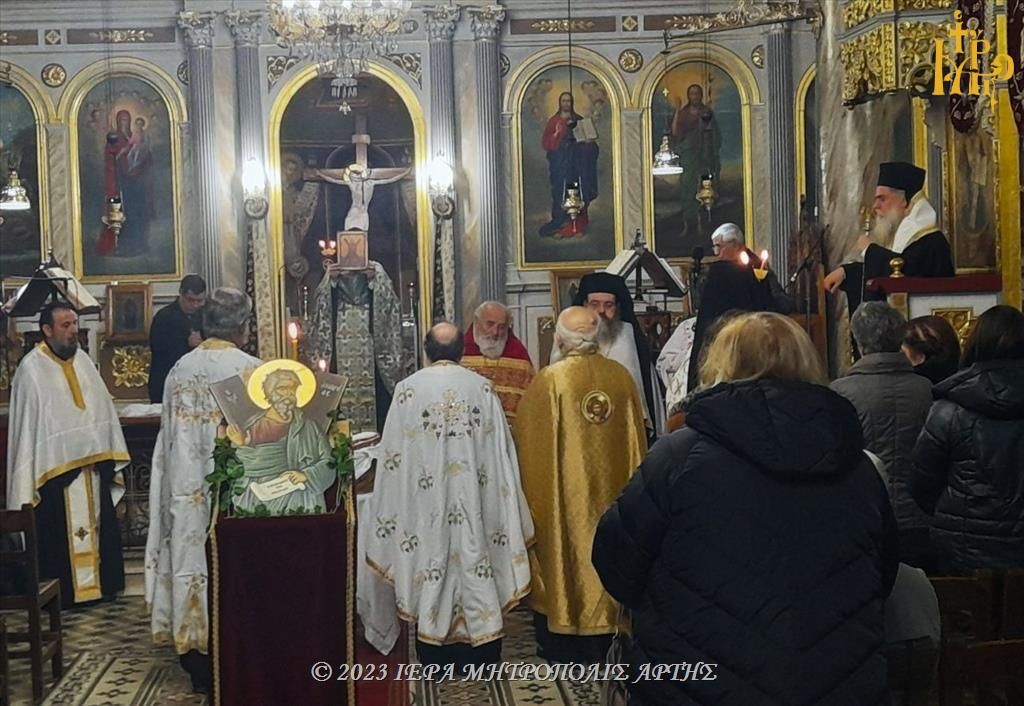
932, 347
969, 459
758, 539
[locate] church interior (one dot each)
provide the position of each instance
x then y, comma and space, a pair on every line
251, 249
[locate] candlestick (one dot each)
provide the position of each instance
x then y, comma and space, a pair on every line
293, 338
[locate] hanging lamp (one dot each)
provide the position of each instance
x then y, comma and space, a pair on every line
13, 197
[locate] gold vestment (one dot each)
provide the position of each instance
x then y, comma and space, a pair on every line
579, 433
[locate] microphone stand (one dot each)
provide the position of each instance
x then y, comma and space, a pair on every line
805, 267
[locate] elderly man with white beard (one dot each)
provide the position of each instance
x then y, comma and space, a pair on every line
903, 217
620, 339
494, 352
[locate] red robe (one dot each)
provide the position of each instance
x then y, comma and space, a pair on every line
510, 374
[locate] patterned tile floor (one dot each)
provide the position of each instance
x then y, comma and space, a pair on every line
110, 660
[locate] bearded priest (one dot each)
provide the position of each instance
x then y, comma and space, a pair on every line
450, 522
64, 455
580, 435
903, 217
620, 339
494, 352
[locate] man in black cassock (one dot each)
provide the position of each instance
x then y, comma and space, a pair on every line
729, 285
903, 214
605, 283
176, 329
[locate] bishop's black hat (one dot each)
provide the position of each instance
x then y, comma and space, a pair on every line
901, 175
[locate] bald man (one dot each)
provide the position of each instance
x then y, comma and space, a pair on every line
451, 522
492, 350
580, 434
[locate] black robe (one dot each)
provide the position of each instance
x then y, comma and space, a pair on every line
728, 286
51, 526
168, 342
928, 256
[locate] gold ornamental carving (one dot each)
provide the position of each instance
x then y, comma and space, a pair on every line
554, 26
869, 63
917, 52
53, 75
122, 36
857, 12
860, 11
631, 61
962, 321
130, 366
745, 14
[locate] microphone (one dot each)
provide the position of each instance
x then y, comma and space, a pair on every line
697, 255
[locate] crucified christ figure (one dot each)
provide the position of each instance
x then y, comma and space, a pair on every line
361, 181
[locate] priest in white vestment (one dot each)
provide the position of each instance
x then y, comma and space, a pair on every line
450, 524
64, 455
177, 577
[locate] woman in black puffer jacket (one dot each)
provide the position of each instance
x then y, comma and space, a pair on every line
758, 538
969, 459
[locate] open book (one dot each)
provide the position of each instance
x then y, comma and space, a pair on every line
585, 130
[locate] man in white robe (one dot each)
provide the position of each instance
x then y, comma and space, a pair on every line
64, 455
179, 497
451, 525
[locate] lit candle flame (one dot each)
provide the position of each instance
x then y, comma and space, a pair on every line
322, 244
293, 331
744, 258
322, 365
764, 259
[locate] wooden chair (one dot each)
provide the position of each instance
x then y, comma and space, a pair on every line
38, 595
996, 672
965, 607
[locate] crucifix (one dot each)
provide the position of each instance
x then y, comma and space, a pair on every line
360, 179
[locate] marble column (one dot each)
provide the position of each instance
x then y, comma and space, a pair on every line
486, 26
198, 28
247, 30
779, 60
441, 23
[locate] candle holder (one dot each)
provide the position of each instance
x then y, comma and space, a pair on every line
294, 331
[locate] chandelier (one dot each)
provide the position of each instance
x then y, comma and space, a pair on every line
341, 36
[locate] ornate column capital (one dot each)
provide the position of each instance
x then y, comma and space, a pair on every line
487, 21
441, 21
198, 27
246, 26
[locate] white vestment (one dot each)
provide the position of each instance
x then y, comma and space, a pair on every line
674, 362
623, 351
179, 498
450, 524
62, 418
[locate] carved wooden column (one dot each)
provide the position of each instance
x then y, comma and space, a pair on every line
199, 28
486, 27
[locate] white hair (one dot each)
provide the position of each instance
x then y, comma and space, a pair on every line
569, 340
728, 233
478, 312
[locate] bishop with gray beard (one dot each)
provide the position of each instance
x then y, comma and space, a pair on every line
905, 227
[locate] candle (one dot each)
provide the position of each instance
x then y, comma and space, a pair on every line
321, 365
744, 258
293, 337
764, 259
